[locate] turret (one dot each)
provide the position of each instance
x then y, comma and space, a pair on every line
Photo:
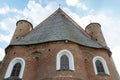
22, 29
94, 30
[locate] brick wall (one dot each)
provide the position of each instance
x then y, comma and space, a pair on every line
40, 61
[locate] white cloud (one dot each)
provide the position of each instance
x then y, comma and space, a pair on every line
116, 56
71, 2
8, 26
77, 4
85, 20
5, 38
74, 16
36, 13
6, 9
2, 54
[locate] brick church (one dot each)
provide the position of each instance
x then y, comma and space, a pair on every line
58, 49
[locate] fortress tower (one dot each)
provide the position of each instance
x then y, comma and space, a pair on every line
22, 29
58, 49
94, 30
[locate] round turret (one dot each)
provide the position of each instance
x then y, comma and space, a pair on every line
22, 29
94, 30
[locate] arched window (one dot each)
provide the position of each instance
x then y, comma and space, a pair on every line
15, 68
64, 60
64, 63
100, 66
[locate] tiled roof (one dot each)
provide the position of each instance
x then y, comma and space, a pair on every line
59, 26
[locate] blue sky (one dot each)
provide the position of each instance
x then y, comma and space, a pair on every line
105, 12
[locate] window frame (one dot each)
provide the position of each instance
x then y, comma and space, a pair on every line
104, 65
11, 65
70, 58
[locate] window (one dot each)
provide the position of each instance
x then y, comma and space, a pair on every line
64, 60
15, 68
64, 63
100, 66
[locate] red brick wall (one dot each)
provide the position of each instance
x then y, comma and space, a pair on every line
40, 62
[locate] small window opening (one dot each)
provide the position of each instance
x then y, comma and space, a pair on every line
16, 37
100, 68
96, 39
20, 29
64, 62
16, 70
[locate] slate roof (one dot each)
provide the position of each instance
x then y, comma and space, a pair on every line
59, 26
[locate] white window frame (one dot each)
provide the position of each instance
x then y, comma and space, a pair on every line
103, 62
70, 58
11, 65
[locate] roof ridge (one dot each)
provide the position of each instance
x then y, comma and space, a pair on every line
59, 10
76, 24
53, 14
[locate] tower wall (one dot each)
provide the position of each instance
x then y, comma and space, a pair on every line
22, 29
94, 30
